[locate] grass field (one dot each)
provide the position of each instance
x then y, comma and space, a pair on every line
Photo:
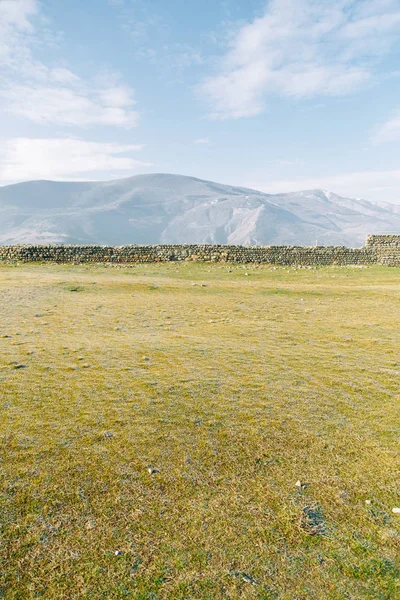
154, 422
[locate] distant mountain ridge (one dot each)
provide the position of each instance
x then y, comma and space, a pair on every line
175, 209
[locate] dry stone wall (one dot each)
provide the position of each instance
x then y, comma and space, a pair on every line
387, 247
378, 250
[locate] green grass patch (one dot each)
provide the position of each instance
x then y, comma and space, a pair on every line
185, 430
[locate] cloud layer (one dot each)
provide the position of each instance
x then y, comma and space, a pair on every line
371, 185
55, 96
301, 48
389, 131
31, 89
75, 103
65, 158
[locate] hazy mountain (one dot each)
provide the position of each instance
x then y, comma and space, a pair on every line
149, 209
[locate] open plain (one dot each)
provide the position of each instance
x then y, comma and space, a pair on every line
197, 431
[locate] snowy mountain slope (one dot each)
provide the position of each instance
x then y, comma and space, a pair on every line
160, 208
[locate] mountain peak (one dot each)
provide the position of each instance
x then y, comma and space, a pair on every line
170, 208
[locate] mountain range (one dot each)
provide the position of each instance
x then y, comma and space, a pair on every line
174, 209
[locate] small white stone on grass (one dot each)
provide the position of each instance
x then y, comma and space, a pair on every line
301, 485
396, 511
152, 471
368, 502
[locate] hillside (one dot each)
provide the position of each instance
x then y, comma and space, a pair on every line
160, 208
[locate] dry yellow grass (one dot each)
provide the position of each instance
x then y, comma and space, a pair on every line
229, 385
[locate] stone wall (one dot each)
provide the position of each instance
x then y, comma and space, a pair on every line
387, 248
378, 250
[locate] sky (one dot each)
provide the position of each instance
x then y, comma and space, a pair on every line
277, 95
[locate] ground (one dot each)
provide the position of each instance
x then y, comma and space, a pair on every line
197, 431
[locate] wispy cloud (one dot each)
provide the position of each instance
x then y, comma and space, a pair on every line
371, 185
201, 141
74, 104
389, 131
15, 31
68, 158
16, 13
31, 89
301, 48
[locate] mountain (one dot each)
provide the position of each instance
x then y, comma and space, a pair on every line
173, 209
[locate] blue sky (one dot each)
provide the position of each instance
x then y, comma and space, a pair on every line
279, 95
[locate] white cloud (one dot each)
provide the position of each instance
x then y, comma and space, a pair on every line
117, 97
73, 105
15, 29
68, 158
389, 131
200, 141
371, 185
17, 12
31, 89
301, 48
21, 28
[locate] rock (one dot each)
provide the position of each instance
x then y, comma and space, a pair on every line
152, 471
300, 485
396, 511
245, 577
